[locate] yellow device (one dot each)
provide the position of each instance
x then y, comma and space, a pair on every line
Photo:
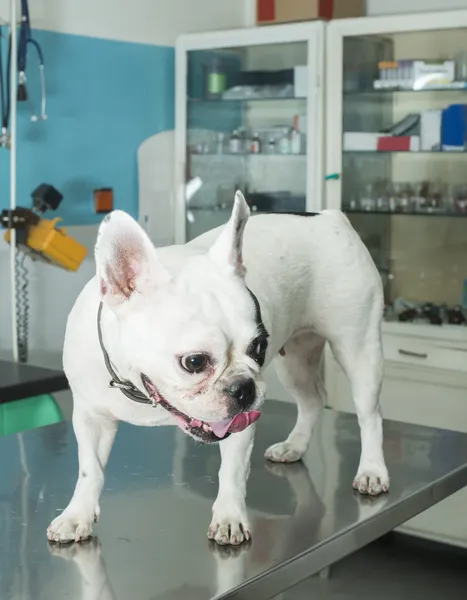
46, 242
40, 238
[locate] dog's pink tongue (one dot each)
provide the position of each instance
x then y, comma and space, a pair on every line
238, 423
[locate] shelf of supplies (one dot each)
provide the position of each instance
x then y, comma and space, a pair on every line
461, 87
414, 152
403, 214
247, 154
254, 210
201, 101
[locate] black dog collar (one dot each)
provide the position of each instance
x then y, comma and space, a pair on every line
126, 387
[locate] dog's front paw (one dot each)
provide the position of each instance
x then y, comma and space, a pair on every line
229, 525
286, 452
372, 481
70, 527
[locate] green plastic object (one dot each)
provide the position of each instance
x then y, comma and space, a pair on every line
29, 413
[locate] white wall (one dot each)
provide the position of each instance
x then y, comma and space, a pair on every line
384, 7
160, 21
147, 21
52, 291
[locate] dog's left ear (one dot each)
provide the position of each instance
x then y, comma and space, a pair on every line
227, 249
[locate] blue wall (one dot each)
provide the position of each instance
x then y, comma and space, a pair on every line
104, 98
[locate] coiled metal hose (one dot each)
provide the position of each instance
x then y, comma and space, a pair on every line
22, 305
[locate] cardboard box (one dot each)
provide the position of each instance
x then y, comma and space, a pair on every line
287, 11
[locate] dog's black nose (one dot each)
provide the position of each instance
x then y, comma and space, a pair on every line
243, 391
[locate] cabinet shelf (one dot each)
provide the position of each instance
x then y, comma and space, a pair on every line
412, 152
210, 101
247, 155
404, 214
460, 86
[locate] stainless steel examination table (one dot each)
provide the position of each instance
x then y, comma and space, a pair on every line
18, 381
151, 540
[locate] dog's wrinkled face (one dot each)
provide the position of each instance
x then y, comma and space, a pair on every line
195, 342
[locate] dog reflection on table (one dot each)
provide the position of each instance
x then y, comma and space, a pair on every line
232, 564
95, 583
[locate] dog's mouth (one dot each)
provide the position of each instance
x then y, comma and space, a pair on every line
202, 430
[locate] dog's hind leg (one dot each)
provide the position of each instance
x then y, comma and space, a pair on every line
299, 370
361, 358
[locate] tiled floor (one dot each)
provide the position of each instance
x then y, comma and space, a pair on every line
397, 567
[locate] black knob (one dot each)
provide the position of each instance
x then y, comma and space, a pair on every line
22, 93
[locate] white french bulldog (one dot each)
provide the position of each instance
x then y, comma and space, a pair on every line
182, 334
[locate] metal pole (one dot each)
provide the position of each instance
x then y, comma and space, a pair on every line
13, 75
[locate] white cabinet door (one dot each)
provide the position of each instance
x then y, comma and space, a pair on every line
434, 398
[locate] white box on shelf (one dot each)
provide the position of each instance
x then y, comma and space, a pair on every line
430, 129
301, 82
356, 140
426, 73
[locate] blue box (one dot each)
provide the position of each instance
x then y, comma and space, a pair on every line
454, 127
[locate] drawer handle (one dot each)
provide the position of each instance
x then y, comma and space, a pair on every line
415, 354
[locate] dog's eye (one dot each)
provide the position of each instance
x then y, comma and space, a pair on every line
261, 347
194, 363
257, 350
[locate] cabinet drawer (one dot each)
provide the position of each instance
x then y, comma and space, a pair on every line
425, 353
445, 522
412, 395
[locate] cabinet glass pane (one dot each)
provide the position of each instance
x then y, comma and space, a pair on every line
404, 177
246, 129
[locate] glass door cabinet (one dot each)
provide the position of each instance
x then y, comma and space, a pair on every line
397, 157
248, 117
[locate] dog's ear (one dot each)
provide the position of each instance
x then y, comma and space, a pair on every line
227, 249
126, 260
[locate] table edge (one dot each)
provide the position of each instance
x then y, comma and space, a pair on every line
282, 577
